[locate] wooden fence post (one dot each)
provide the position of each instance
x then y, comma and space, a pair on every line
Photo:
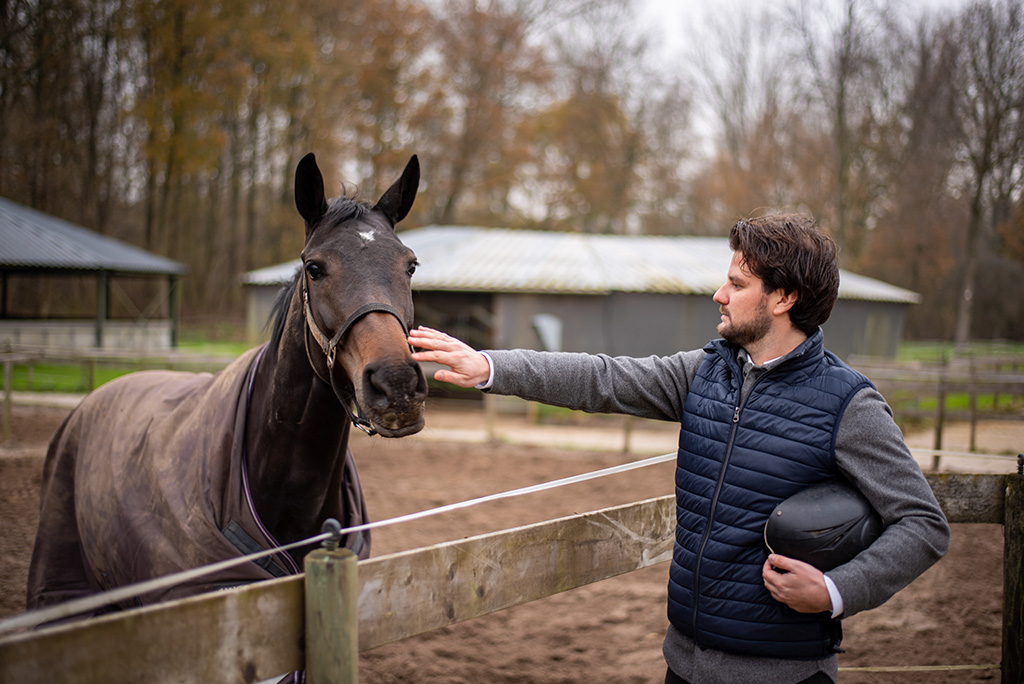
1013, 578
8, 399
89, 373
491, 416
972, 444
939, 422
332, 617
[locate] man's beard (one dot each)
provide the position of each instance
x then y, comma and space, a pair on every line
747, 333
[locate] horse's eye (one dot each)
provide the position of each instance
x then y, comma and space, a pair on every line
412, 268
313, 270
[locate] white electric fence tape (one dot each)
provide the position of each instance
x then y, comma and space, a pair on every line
93, 602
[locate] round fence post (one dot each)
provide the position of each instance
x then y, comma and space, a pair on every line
8, 400
939, 422
627, 435
332, 616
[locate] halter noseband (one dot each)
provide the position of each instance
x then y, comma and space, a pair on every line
330, 347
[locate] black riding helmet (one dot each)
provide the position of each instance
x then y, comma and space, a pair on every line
825, 525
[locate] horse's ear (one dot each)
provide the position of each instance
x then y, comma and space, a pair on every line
309, 191
397, 200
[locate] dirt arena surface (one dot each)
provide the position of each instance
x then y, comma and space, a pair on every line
610, 631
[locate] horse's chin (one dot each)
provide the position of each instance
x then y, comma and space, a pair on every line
402, 431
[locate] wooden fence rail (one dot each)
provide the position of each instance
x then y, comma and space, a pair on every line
256, 632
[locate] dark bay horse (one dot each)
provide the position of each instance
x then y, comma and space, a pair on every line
159, 471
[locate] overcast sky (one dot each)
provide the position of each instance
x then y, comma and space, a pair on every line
672, 18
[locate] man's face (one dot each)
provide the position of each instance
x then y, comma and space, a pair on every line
743, 304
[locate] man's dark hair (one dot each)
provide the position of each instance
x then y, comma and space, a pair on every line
789, 252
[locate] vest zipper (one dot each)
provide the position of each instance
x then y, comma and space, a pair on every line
718, 490
711, 519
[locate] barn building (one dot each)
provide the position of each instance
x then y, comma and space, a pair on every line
628, 295
62, 285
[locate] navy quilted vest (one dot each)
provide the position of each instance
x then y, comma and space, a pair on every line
735, 463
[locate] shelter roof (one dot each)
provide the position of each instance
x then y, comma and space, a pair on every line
471, 259
33, 240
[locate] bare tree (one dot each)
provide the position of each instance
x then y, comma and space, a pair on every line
989, 111
587, 147
844, 55
752, 118
913, 244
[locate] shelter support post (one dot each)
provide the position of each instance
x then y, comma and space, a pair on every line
102, 305
332, 617
1013, 578
174, 309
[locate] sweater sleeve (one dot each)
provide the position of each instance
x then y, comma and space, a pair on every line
871, 453
652, 387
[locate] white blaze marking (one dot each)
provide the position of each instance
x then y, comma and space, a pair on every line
368, 236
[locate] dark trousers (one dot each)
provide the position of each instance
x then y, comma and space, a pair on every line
820, 678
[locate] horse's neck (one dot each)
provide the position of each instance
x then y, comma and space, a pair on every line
296, 440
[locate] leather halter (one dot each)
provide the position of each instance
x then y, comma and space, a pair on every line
346, 397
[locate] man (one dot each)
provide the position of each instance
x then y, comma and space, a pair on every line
764, 412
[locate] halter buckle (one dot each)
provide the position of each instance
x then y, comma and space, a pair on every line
364, 425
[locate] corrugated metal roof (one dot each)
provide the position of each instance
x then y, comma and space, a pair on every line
31, 239
469, 259
272, 275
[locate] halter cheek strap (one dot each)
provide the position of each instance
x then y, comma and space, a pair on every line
330, 347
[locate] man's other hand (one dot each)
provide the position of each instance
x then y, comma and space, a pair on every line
797, 584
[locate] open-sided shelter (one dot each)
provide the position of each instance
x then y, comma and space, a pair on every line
62, 285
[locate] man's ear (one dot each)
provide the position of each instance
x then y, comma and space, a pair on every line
783, 301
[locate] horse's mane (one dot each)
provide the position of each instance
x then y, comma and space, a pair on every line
340, 210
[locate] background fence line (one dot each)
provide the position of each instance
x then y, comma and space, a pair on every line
922, 390
916, 390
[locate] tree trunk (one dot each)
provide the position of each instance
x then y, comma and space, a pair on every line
965, 306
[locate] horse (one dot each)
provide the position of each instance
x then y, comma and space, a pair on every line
158, 472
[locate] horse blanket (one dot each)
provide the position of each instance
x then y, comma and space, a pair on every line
147, 477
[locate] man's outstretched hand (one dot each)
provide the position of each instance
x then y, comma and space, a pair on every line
468, 367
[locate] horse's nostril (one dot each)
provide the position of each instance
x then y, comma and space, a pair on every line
385, 384
421, 380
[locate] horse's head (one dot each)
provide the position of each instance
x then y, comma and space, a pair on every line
357, 296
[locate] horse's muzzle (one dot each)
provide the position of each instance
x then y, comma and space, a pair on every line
393, 396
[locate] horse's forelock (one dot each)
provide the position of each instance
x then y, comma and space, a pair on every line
344, 209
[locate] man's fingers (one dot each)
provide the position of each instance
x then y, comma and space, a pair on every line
446, 376
468, 366
795, 583
427, 338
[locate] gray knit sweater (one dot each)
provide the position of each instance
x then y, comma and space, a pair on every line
870, 452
